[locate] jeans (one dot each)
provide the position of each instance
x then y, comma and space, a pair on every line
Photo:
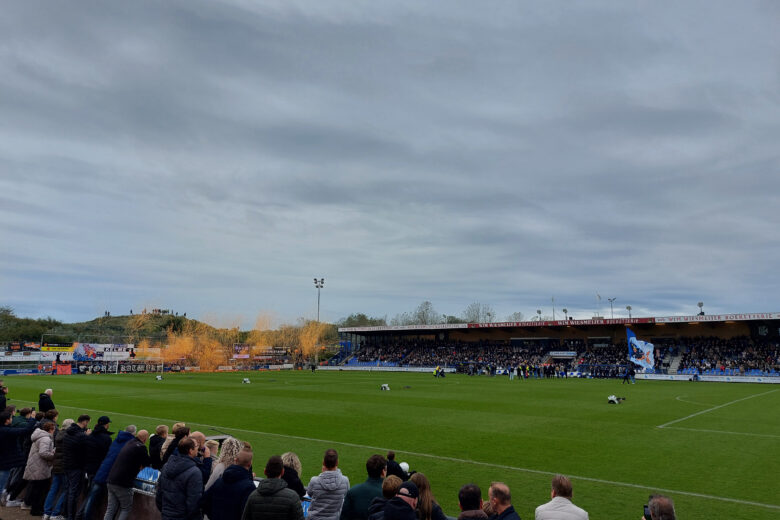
4, 474
56, 496
92, 502
121, 499
74, 490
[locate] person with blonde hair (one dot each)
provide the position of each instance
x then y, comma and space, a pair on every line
227, 457
427, 507
292, 473
180, 431
156, 443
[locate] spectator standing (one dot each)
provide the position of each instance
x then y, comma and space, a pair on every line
55, 499
180, 431
360, 496
11, 454
3, 399
501, 502
327, 489
180, 487
231, 447
121, 477
404, 504
155, 445
226, 498
38, 469
661, 508
292, 473
393, 468
44, 401
427, 508
203, 459
273, 500
390, 487
470, 503
560, 506
98, 491
73, 461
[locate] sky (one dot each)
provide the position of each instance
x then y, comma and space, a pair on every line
214, 157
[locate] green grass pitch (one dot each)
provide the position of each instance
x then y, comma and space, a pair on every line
722, 463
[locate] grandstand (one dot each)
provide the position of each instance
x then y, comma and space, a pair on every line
727, 345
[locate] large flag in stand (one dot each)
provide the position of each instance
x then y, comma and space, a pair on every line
640, 352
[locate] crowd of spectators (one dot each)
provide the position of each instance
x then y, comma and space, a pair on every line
65, 470
739, 354
599, 357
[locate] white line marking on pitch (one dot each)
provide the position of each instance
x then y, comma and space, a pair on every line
691, 402
714, 408
450, 459
769, 435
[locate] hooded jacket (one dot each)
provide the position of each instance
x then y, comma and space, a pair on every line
273, 500
74, 447
327, 492
97, 444
41, 456
122, 438
179, 489
226, 498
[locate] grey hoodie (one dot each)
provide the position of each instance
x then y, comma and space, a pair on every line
327, 492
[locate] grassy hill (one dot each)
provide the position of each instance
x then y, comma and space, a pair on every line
108, 329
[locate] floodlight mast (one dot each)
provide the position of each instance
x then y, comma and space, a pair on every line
319, 284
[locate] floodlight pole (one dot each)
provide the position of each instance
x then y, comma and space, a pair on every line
611, 310
319, 284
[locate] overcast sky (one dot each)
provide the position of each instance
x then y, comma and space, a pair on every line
214, 157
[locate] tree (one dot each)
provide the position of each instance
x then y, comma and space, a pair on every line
361, 320
515, 316
479, 313
425, 314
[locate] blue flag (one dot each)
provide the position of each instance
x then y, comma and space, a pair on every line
640, 352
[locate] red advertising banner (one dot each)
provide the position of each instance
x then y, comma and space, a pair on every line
64, 370
561, 323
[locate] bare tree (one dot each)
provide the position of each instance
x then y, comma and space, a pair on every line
479, 313
516, 316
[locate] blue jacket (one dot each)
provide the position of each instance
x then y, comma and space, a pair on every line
121, 439
226, 498
179, 489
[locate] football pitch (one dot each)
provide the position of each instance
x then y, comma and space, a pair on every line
714, 448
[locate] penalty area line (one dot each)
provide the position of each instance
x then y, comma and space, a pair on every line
767, 435
445, 458
714, 408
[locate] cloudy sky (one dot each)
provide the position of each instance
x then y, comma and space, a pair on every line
213, 157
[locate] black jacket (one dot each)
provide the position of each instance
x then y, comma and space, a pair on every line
397, 509
293, 481
155, 450
179, 490
171, 449
393, 468
508, 514
376, 510
45, 403
226, 498
97, 444
74, 447
273, 500
128, 463
11, 454
59, 438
